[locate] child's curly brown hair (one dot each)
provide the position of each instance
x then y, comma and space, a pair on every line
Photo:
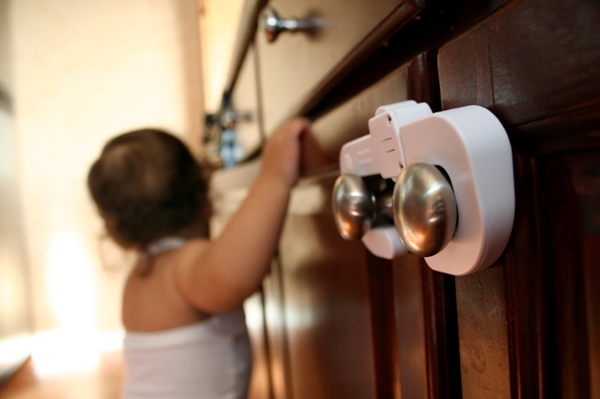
147, 185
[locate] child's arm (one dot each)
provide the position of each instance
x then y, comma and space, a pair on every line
220, 275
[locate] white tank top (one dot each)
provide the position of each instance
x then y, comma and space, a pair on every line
211, 359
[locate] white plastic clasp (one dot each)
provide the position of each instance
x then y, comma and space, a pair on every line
381, 152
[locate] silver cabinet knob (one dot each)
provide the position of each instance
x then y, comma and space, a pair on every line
273, 25
353, 206
425, 212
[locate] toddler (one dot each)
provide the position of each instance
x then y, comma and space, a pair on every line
182, 304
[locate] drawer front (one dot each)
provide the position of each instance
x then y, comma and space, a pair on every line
297, 67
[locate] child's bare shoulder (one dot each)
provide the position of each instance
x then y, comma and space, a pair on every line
193, 250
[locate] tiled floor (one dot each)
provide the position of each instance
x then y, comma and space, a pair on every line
103, 381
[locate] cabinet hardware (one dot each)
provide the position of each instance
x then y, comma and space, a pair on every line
453, 200
273, 25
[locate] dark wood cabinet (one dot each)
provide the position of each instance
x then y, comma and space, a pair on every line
325, 290
535, 65
341, 323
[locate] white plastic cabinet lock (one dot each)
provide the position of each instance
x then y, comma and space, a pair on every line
453, 199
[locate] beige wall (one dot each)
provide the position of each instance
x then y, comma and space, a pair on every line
82, 72
14, 293
219, 24
5, 71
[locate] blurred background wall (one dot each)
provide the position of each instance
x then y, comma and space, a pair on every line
79, 72
219, 20
15, 315
74, 73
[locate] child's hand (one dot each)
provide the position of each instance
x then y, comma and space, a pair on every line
281, 156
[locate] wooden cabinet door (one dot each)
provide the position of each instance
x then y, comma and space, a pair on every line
529, 326
351, 325
326, 297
